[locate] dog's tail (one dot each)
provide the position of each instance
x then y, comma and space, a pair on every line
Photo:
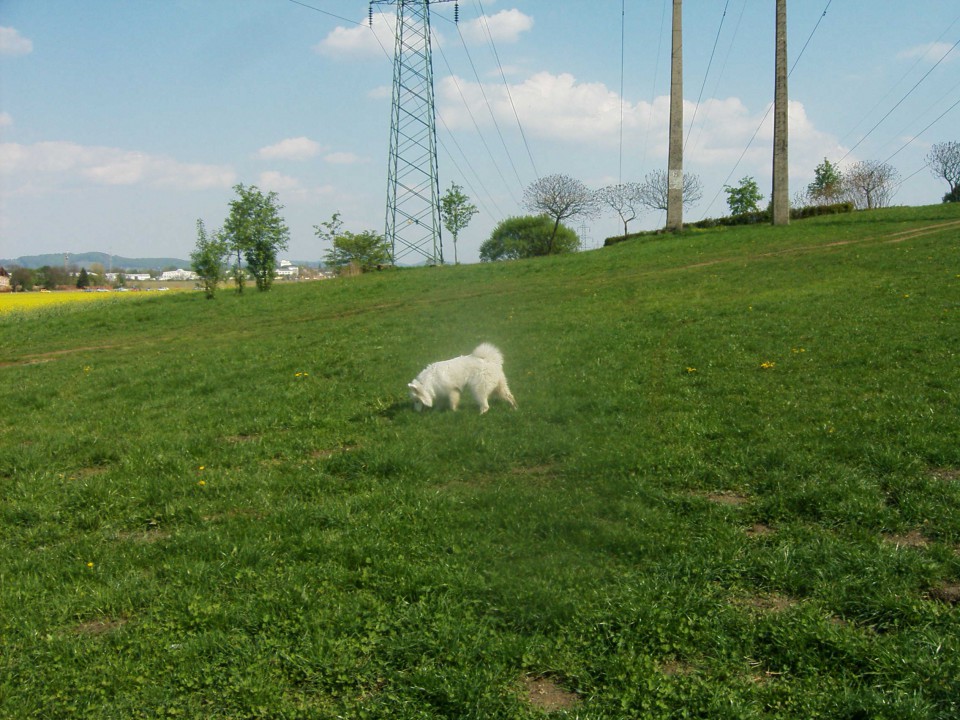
489, 353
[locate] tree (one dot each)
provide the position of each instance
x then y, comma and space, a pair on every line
655, 188
827, 185
456, 211
870, 184
744, 198
625, 199
944, 162
52, 277
528, 236
83, 279
366, 250
559, 198
21, 278
255, 229
209, 258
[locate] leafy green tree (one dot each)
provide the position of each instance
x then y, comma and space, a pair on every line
21, 278
83, 279
209, 259
456, 211
528, 236
51, 277
366, 250
827, 185
255, 230
744, 198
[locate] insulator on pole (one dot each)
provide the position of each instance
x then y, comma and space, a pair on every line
370, 14
456, 12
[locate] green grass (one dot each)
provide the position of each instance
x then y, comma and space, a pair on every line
732, 489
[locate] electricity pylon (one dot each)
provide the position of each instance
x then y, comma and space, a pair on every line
413, 186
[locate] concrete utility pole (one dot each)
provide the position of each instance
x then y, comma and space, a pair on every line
675, 161
781, 190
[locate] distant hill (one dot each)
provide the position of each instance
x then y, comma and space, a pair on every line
115, 263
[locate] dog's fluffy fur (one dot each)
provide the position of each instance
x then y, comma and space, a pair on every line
481, 372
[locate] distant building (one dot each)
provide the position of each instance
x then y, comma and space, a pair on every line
288, 270
4, 280
178, 274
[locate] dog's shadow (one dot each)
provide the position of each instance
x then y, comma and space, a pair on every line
395, 409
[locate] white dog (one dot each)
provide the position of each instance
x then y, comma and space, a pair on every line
481, 372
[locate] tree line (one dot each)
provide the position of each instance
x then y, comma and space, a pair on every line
254, 231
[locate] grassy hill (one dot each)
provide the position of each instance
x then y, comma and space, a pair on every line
731, 489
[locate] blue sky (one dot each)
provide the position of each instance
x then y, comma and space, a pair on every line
124, 121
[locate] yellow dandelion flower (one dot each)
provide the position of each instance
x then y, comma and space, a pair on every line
767, 365
201, 483
89, 564
691, 369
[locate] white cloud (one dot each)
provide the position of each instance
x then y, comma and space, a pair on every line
277, 182
13, 43
932, 52
298, 148
47, 165
504, 27
360, 39
6, 120
343, 158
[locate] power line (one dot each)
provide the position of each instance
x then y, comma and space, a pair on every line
900, 101
506, 86
473, 118
769, 109
623, 18
706, 74
939, 117
324, 12
887, 94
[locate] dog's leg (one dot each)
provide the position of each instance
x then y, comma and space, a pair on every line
504, 392
454, 399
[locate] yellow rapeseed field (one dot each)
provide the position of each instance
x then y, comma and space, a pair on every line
10, 302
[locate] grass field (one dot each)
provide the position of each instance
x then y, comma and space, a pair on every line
731, 489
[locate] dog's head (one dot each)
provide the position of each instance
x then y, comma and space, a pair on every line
421, 398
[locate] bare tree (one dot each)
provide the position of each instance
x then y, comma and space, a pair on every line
653, 194
870, 184
623, 199
559, 197
944, 162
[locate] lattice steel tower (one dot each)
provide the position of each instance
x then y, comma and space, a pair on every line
413, 187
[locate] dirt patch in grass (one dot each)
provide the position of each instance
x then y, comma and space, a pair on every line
100, 626
673, 668
544, 694
759, 530
146, 537
324, 453
725, 497
766, 603
912, 539
947, 474
947, 593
